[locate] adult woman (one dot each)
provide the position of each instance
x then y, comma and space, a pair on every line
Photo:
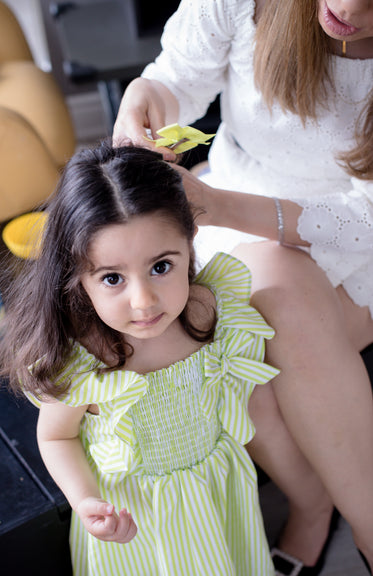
304, 136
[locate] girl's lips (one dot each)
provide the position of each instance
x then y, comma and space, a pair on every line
337, 26
150, 322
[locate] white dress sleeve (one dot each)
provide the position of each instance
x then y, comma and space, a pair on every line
195, 52
343, 221
339, 228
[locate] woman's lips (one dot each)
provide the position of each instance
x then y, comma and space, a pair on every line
337, 26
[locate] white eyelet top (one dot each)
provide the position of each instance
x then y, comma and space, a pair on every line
207, 49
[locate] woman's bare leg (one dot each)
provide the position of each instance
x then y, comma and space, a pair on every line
323, 392
310, 507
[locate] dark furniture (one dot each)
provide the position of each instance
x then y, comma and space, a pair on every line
34, 514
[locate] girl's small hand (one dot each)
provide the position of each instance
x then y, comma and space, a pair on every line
102, 521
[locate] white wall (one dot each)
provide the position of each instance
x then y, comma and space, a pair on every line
28, 14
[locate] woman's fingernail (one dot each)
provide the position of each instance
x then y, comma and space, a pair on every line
170, 157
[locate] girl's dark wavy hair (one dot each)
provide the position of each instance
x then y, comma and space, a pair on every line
47, 309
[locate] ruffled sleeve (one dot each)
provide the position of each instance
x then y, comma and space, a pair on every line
234, 363
109, 436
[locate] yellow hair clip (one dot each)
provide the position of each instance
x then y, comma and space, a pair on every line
180, 139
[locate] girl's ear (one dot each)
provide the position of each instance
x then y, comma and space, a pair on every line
195, 230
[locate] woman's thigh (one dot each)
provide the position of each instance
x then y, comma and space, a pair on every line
295, 296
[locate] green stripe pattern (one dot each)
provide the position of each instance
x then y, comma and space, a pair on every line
169, 446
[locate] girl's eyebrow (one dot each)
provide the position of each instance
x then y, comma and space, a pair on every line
116, 267
164, 254
94, 271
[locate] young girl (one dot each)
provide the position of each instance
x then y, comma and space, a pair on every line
142, 372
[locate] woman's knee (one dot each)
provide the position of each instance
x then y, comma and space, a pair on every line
290, 289
297, 300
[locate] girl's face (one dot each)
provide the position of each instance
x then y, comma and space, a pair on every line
346, 19
139, 282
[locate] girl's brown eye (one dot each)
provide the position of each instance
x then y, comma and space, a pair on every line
112, 279
161, 267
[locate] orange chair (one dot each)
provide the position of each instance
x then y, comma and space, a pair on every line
36, 130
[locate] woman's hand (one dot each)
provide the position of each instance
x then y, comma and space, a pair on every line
200, 195
102, 521
147, 105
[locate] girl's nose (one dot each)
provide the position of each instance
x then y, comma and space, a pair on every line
142, 296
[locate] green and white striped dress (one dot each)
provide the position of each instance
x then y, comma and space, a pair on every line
168, 446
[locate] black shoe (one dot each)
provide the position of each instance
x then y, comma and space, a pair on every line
365, 561
287, 565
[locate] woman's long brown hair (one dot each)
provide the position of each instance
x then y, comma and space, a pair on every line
293, 67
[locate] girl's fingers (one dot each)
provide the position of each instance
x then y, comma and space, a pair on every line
95, 507
102, 509
127, 528
101, 520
